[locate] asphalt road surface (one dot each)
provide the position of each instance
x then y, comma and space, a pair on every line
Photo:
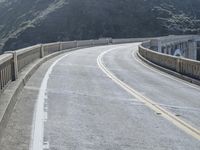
104, 98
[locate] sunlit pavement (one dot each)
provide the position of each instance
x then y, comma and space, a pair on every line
84, 109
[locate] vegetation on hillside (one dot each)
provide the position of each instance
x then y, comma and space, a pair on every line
27, 22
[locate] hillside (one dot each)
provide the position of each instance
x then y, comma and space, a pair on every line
27, 22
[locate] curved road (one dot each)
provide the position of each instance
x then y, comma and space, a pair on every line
104, 98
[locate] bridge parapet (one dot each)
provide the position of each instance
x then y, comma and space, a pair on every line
27, 55
6, 68
183, 46
184, 66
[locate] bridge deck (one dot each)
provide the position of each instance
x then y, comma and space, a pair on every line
85, 109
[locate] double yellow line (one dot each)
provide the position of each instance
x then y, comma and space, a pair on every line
148, 102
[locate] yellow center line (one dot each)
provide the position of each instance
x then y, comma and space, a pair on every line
148, 102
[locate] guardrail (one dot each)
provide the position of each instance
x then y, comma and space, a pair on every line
187, 67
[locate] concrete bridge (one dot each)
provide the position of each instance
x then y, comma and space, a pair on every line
116, 94
184, 46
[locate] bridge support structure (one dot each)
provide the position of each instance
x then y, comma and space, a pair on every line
182, 46
186, 48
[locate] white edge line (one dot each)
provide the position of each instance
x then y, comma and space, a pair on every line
37, 134
38, 118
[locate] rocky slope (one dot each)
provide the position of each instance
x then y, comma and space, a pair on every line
20, 16
27, 22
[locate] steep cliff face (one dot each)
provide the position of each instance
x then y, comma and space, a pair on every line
27, 22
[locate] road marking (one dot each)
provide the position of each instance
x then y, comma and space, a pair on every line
46, 145
39, 114
148, 102
163, 73
45, 109
78, 65
37, 137
31, 88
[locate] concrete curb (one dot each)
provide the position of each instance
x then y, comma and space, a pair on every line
8, 98
178, 75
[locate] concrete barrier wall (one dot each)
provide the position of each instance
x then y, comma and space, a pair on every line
51, 48
68, 45
163, 60
27, 55
188, 67
101, 41
85, 43
5, 70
